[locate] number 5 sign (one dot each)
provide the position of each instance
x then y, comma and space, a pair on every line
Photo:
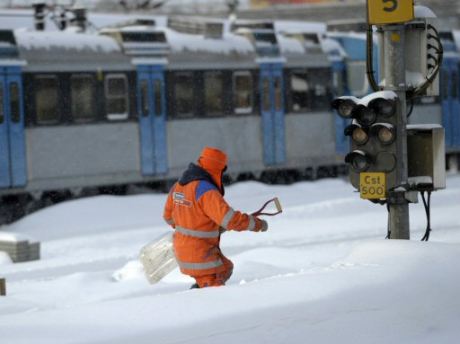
389, 11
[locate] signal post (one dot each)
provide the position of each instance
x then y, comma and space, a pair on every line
378, 128
395, 76
391, 14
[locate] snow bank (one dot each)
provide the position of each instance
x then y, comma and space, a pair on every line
5, 258
322, 271
131, 270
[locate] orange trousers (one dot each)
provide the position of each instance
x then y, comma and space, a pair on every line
216, 280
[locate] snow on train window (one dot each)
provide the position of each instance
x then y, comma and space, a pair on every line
357, 78
243, 97
299, 91
320, 88
82, 93
213, 93
14, 102
116, 96
183, 87
46, 99
2, 113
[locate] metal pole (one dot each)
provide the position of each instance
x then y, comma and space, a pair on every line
2, 287
395, 80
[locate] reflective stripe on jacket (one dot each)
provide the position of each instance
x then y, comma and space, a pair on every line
198, 212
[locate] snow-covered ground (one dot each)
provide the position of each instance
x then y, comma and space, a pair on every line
323, 273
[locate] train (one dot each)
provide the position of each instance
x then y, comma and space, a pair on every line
86, 112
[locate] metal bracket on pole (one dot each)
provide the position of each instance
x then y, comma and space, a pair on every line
397, 198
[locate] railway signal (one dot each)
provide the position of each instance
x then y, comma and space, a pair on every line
373, 133
379, 163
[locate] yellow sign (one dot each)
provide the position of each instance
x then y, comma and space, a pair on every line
372, 185
390, 11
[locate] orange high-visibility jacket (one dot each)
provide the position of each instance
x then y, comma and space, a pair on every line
197, 211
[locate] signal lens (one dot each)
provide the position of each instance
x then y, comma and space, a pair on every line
346, 108
366, 116
359, 163
360, 136
386, 135
384, 107
358, 160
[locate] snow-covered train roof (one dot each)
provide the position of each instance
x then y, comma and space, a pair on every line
69, 51
199, 51
231, 44
288, 26
333, 49
299, 53
352, 44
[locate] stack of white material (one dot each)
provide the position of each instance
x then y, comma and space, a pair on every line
19, 247
158, 258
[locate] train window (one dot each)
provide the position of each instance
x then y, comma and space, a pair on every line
116, 96
299, 91
278, 94
82, 92
357, 78
266, 94
14, 102
144, 98
46, 99
158, 97
2, 113
213, 93
183, 87
243, 97
320, 88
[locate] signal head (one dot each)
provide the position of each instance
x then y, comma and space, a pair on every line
358, 134
345, 106
385, 132
383, 107
360, 161
365, 115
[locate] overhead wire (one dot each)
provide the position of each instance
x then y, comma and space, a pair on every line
370, 57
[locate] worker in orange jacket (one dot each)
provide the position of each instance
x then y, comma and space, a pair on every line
196, 209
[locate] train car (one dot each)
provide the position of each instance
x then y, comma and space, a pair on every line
450, 95
135, 104
309, 89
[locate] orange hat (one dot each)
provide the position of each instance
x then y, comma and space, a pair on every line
212, 159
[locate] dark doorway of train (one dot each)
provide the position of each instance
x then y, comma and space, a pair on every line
152, 119
450, 94
12, 142
272, 111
